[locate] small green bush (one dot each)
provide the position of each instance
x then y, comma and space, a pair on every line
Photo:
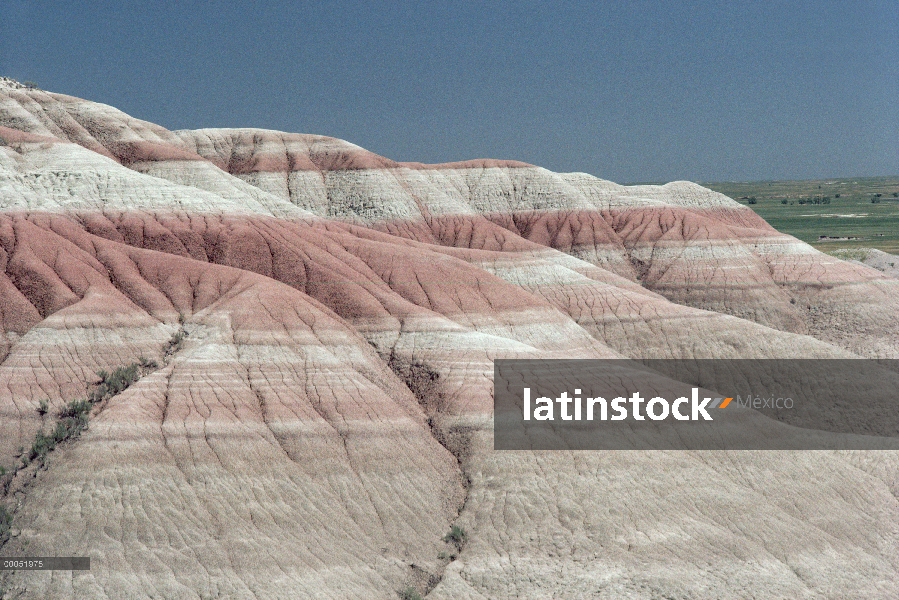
43, 406
42, 444
75, 409
410, 593
175, 342
116, 382
456, 536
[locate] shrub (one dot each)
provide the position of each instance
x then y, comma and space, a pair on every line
784, 201
68, 428
123, 377
175, 342
409, 593
456, 536
116, 382
43, 406
75, 409
753, 200
42, 444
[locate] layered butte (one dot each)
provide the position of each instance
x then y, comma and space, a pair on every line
328, 415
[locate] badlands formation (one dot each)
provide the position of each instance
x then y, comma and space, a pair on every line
326, 417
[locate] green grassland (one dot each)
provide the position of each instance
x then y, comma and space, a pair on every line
844, 210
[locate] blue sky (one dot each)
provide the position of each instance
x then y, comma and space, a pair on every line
627, 91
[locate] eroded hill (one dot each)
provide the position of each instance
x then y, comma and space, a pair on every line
326, 416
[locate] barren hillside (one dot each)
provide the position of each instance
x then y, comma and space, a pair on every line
323, 322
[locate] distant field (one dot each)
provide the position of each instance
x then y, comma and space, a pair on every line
851, 215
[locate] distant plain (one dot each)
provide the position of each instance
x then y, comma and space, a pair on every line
845, 214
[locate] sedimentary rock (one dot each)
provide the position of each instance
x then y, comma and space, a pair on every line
328, 415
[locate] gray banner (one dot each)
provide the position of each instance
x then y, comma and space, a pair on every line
696, 404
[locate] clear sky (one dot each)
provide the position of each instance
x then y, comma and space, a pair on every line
627, 91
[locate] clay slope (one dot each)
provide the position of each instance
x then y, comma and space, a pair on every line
327, 417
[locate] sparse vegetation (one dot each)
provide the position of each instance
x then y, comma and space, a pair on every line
410, 593
174, 344
76, 409
116, 382
859, 254
73, 417
72, 421
456, 536
42, 444
5, 523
